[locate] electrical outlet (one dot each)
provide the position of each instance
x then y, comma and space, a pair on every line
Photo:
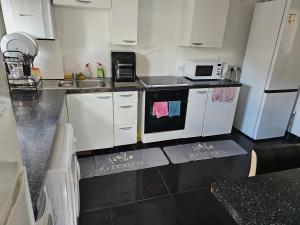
180, 69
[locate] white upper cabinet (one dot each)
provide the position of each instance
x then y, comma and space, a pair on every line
204, 22
34, 17
100, 4
124, 22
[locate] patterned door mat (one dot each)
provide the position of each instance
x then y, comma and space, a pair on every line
203, 150
120, 162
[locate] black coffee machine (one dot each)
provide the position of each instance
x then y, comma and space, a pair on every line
123, 66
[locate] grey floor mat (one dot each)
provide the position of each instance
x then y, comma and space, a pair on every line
120, 162
87, 167
203, 150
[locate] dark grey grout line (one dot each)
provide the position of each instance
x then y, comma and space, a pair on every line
125, 203
111, 216
172, 198
192, 190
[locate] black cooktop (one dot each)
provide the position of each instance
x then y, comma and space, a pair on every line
164, 81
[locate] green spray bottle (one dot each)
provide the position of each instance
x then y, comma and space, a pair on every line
100, 70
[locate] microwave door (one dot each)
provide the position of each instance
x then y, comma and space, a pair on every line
204, 71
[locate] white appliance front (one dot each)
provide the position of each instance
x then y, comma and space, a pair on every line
62, 178
266, 33
203, 69
274, 115
295, 126
285, 70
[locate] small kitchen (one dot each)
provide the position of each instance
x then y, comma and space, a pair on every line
143, 112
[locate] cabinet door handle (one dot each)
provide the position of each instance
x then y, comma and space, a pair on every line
125, 128
104, 97
197, 43
126, 95
129, 41
126, 106
85, 1
20, 14
201, 92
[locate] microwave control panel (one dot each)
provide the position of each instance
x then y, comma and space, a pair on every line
219, 70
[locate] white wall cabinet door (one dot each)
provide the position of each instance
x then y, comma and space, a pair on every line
124, 22
103, 4
92, 118
34, 17
195, 112
219, 115
204, 22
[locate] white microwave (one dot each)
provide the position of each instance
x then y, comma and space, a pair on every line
203, 70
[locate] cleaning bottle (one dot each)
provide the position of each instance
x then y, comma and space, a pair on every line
87, 71
100, 70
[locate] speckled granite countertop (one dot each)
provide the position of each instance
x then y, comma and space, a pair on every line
37, 116
270, 199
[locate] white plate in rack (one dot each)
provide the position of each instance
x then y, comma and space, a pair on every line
19, 42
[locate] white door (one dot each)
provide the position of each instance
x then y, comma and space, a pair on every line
92, 118
285, 69
209, 21
195, 112
219, 115
274, 116
124, 22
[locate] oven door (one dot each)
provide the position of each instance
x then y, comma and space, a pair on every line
154, 124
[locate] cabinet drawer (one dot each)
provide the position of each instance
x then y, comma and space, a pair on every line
125, 113
198, 93
125, 135
125, 97
99, 97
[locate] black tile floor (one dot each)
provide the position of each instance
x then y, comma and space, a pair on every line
167, 195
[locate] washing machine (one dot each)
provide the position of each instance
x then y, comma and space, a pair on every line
62, 182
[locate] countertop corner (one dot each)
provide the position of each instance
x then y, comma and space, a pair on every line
37, 116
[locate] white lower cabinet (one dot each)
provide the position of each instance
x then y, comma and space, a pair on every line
125, 113
195, 112
125, 135
125, 118
219, 115
92, 118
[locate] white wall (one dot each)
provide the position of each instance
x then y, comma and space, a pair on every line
84, 37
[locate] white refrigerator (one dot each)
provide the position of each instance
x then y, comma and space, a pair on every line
271, 70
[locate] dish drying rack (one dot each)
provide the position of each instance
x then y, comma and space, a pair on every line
25, 82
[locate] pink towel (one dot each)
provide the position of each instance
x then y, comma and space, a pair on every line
224, 94
160, 109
